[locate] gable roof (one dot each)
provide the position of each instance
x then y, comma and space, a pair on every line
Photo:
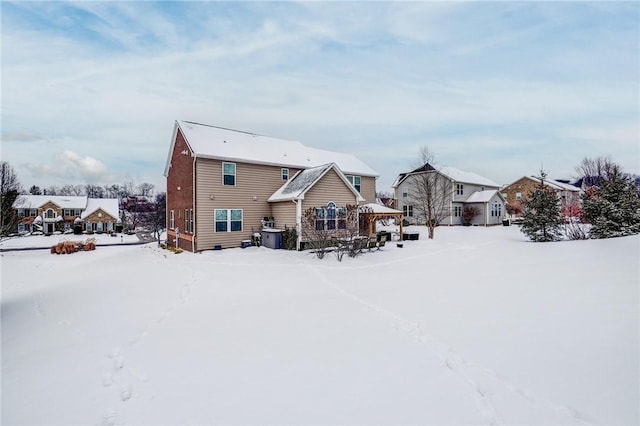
108, 205
296, 187
218, 143
454, 174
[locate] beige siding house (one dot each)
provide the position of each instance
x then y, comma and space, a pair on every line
221, 183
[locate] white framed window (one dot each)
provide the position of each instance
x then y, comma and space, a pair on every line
228, 220
33, 212
21, 212
99, 226
496, 209
284, 173
405, 192
355, 181
518, 196
457, 211
229, 174
50, 214
21, 228
88, 226
172, 219
407, 210
459, 189
188, 220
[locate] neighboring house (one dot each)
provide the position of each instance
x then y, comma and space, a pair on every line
224, 185
517, 192
466, 190
50, 213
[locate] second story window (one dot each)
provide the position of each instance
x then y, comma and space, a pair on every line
50, 214
355, 181
229, 174
405, 192
518, 196
459, 189
285, 174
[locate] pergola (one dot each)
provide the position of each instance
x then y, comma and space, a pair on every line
373, 212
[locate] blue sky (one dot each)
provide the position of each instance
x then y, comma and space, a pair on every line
91, 90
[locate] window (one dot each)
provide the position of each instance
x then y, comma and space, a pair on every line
285, 174
33, 212
88, 226
407, 210
405, 192
331, 218
229, 174
331, 215
457, 211
66, 212
228, 220
21, 212
172, 222
518, 196
320, 215
355, 182
188, 220
342, 218
21, 228
496, 209
504, 195
459, 189
50, 214
99, 226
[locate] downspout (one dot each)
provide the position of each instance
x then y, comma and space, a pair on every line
193, 203
298, 223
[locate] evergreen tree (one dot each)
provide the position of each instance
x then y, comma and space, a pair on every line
541, 218
613, 207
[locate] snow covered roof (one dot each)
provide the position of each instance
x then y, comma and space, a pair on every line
301, 182
26, 201
554, 184
108, 205
380, 209
481, 196
454, 174
233, 145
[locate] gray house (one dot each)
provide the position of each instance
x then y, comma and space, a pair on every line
459, 190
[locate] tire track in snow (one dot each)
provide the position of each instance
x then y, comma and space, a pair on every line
115, 379
459, 365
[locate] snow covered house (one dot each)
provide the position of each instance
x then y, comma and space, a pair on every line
465, 189
518, 191
50, 213
224, 185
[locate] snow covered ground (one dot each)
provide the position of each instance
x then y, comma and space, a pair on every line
478, 326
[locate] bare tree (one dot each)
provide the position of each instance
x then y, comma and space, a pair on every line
75, 190
145, 189
594, 171
9, 189
52, 190
94, 191
430, 191
156, 219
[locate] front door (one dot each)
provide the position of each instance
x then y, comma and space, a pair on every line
49, 228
